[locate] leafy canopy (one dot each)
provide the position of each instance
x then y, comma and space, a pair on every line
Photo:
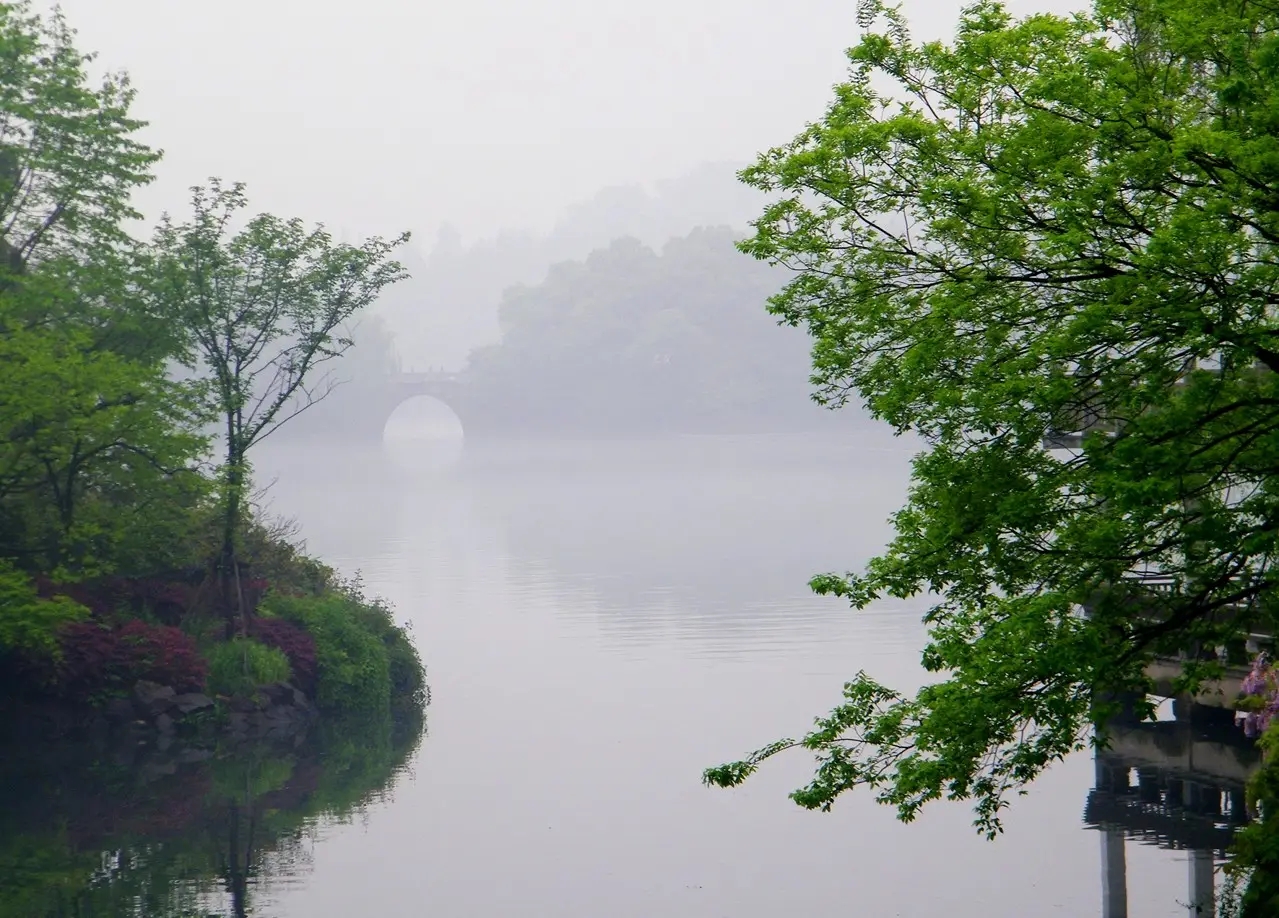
263, 308
68, 157
96, 444
1048, 224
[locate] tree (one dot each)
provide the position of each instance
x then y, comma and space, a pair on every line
92, 436
68, 157
100, 451
264, 308
667, 339
1046, 221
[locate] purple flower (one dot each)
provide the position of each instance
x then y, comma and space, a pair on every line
1262, 682
1260, 678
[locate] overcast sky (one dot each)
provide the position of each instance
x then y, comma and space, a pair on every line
381, 115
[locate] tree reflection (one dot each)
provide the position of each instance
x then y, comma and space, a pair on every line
96, 829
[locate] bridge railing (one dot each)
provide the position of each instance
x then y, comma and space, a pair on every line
1256, 638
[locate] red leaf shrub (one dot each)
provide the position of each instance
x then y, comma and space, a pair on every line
113, 597
100, 659
295, 642
102, 597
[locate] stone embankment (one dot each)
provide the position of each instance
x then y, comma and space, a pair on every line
275, 712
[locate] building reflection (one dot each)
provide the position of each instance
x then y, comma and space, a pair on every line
1175, 784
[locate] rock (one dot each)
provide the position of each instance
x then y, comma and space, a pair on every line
244, 705
192, 701
237, 722
165, 740
278, 692
119, 710
192, 754
164, 723
300, 699
153, 698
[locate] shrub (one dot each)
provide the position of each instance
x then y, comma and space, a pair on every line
296, 643
242, 666
112, 598
278, 557
353, 665
97, 659
29, 625
408, 678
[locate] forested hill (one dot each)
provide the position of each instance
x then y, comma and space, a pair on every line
449, 304
632, 339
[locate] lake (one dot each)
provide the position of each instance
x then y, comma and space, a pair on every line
600, 622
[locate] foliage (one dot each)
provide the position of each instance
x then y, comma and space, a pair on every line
449, 307
265, 309
241, 666
68, 160
365, 662
1261, 695
106, 501
669, 339
295, 643
404, 665
95, 467
279, 557
29, 625
354, 673
1047, 225
116, 598
405, 669
98, 661
1253, 872
1255, 853
94, 440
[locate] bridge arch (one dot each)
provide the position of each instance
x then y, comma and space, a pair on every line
405, 388
423, 417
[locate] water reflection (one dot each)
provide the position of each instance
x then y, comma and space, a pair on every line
1176, 786
116, 826
711, 536
602, 621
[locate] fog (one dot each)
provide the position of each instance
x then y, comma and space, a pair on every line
606, 566
506, 136
391, 114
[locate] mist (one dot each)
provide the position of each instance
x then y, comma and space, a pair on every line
388, 114
573, 462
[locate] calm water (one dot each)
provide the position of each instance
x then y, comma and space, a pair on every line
603, 621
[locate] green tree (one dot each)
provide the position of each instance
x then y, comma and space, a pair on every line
68, 156
1045, 221
95, 443
265, 309
29, 624
94, 440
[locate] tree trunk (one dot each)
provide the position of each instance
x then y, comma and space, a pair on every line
239, 870
228, 562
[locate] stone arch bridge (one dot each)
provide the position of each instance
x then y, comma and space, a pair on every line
376, 408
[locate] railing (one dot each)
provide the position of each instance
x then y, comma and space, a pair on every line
431, 376
1255, 639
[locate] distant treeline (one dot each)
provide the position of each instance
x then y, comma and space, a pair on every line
633, 339
628, 340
